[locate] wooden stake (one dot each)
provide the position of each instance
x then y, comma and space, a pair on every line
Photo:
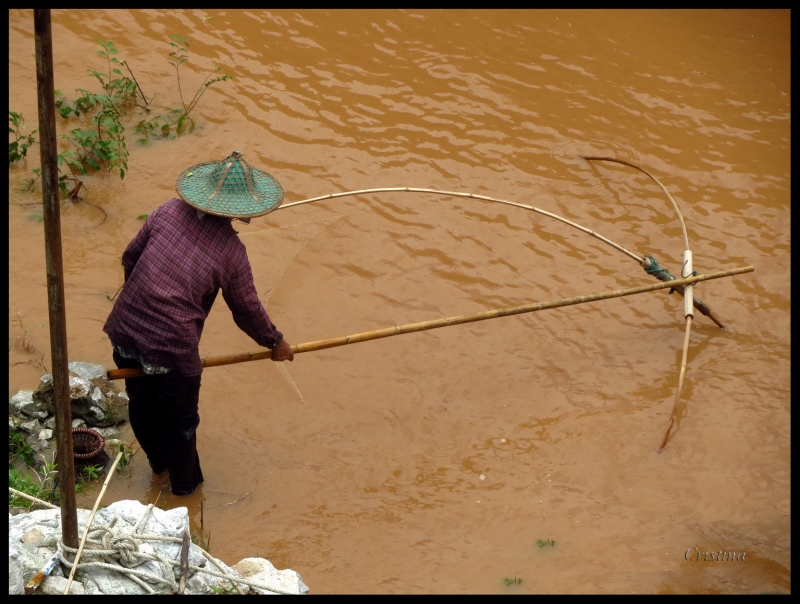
184, 562
116, 374
51, 211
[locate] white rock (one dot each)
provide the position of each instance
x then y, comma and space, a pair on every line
149, 566
55, 586
100, 581
45, 434
87, 371
22, 402
98, 398
16, 584
32, 426
259, 570
97, 414
32, 539
78, 423
171, 522
202, 583
79, 387
108, 433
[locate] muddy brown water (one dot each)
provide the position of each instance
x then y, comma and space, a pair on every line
433, 462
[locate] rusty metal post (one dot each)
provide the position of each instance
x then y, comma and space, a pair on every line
55, 275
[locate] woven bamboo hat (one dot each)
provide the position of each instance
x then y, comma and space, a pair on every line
229, 188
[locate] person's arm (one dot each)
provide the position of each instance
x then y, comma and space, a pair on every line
248, 313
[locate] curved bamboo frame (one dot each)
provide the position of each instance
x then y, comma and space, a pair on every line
616, 246
663, 188
642, 261
689, 316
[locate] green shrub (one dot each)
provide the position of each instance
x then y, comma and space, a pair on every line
18, 148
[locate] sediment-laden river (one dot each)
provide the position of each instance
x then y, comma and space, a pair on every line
433, 462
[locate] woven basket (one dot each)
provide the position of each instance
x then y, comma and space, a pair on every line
87, 444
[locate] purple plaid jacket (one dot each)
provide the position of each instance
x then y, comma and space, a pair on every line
174, 268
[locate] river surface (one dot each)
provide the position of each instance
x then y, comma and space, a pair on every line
433, 462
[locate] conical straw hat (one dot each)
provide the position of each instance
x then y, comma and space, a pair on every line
229, 188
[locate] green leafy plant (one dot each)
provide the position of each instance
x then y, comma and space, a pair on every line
43, 488
23, 342
103, 145
92, 472
19, 449
142, 216
127, 454
63, 106
28, 184
177, 58
514, 581
47, 472
177, 121
18, 148
100, 147
38, 480
116, 85
161, 126
219, 591
547, 542
24, 483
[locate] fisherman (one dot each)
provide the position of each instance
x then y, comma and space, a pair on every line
184, 254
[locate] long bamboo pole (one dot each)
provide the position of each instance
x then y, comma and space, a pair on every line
117, 374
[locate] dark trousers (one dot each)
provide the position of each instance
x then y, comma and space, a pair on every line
164, 417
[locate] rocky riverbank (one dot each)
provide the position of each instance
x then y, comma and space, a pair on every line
96, 403
142, 547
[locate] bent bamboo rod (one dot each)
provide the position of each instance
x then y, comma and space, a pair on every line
643, 261
658, 182
117, 374
471, 196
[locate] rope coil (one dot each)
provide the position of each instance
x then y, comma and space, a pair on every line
119, 549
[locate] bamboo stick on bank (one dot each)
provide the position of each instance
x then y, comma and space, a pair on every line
89, 522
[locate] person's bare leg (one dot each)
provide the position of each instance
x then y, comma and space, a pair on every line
160, 478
